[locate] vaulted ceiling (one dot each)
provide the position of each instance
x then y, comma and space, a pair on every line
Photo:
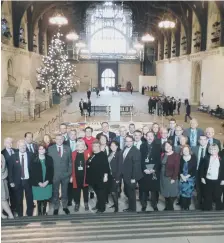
146, 15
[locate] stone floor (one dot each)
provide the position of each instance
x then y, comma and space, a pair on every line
140, 115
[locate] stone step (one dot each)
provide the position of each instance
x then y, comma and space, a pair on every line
109, 226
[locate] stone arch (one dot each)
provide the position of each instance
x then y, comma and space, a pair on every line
196, 82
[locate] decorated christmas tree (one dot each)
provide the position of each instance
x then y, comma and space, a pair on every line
56, 71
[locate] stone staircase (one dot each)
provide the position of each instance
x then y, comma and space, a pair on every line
113, 227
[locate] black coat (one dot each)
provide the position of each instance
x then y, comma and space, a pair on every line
97, 166
147, 183
112, 136
7, 156
204, 164
188, 110
192, 165
116, 164
36, 174
14, 168
131, 166
35, 148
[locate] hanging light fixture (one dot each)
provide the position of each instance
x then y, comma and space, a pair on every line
58, 19
72, 36
166, 24
148, 38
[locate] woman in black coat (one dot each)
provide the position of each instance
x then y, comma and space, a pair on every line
151, 165
41, 176
115, 162
98, 174
211, 171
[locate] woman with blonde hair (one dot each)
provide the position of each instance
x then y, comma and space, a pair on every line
78, 178
211, 171
47, 141
5, 191
188, 168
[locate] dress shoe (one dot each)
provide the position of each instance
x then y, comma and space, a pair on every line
94, 208
69, 204
143, 209
76, 209
155, 209
86, 207
128, 210
99, 211
113, 206
56, 212
66, 211
91, 195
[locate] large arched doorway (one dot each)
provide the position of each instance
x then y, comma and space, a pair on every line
196, 83
108, 78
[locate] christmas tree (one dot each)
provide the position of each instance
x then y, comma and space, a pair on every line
56, 71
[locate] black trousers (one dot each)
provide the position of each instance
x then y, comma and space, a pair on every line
185, 202
101, 197
186, 116
222, 194
200, 198
12, 198
169, 203
77, 194
24, 186
81, 110
154, 198
70, 192
129, 190
178, 110
212, 192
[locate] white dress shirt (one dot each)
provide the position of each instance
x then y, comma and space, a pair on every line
107, 135
73, 145
61, 149
213, 169
163, 140
30, 147
126, 151
26, 170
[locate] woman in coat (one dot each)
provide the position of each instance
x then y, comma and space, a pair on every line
188, 168
78, 178
41, 175
151, 166
169, 175
97, 175
5, 191
115, 162
211, 171
103, 144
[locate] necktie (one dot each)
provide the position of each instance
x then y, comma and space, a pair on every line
202, 153
59, 151
22, 172
29, 148
193, 142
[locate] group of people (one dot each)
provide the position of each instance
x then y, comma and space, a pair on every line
147, 88
173, 162
166, 106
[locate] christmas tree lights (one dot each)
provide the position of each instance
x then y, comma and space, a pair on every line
56, 71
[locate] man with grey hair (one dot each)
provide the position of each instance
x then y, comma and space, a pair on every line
61, 155
121, 138
210, 132
19, 177
7, 152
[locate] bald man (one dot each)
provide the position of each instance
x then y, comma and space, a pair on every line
19, 177
7, 152
210, 133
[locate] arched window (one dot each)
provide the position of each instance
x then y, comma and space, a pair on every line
109, 28
108, 78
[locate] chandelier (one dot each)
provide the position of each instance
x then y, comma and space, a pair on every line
72, 36
166, 24
148, 38
58, 19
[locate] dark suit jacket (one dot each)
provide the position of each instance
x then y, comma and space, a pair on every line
195, 150
172, 166
15, 168
35, 147
192, 165
116, 164
187, 133
36, 174
216, 141
68, 142
7, 156
131, 167
112, 136
203, 169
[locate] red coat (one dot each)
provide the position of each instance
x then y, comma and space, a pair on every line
86, 156
172, 166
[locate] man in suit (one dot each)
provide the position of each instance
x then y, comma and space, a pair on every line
210, 132
193, 133
61, 155
30, 145
178, 106
88, 94
81, 106
131, 172
172, 126
64, 131
19, 177
176, 137
200, 151
121, 138
131, 129
137, 139
164, 136
188, 110
71, 142
7, 152
105, 131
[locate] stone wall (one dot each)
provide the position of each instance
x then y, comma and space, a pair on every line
198, 77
